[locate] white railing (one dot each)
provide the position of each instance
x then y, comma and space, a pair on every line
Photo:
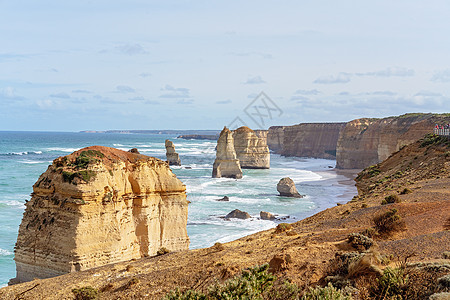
442, 131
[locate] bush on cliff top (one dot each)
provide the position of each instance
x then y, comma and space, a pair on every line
87, 157
86, 293
388, 222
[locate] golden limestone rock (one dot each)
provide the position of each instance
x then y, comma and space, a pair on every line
251, 149
98, 206
226, 163
172, 157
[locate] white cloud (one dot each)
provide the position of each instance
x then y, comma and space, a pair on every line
255, 80
256, 54
332, 79
173, 92
131, 49
441, 76
81, 92
224, 101
124, 89
390, 72
307, 92
61, 95
145, 74
9, 93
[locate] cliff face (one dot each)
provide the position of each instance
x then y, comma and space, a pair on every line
98, 206
365, 142
311, 140
275, 138
251, 149
226, 163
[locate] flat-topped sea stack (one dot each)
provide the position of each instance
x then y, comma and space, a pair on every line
172, 157
226, 163
251, 149
98, 206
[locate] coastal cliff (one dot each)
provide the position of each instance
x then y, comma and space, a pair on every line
365, 142
316, 251
98, 206
251, 149
316, 140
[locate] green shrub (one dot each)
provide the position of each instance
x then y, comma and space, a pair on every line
391, 199
85, 293
249, 285
444, 281
388, 222
162, 251
282, 227
406, 191
187, 295
360, 241
87, 157
325, 293
391, 285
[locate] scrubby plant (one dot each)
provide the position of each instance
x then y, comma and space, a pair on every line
432, 139
218, 247
162, 251
391, 199
389, 222
406, 191
85, 293
282, 227
187, 295
87, 157
325, 293
391, 284
444, 281
359, 241
249, 285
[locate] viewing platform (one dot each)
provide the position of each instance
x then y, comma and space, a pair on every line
442, 131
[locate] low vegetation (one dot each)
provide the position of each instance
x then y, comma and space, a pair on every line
258, 283
391, 199
388, 222
360, 241
162, 251
86, 293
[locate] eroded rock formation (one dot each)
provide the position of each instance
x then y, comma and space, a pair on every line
251, 149
238, 214
365, 142
286, 187
226, 163
98, 206
172, 157
316, 140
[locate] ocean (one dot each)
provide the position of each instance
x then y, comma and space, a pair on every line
26, 155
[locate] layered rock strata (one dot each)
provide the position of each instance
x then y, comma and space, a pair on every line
172, 156
365, 142
98, 206
226, 163
275, 138
251, 149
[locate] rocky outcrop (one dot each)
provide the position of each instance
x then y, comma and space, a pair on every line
316, 140
275, 138
98, 206
134, 150
365, 142
264, 215
226, 163
199, 137
172, 157
286, 187
251, 150
238, 214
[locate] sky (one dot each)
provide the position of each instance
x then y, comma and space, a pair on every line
102, 65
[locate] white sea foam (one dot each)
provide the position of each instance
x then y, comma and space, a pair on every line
62, 149
32, 162
4, 252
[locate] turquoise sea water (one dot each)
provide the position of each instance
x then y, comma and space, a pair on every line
26, 155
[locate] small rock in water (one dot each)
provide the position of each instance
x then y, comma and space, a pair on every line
225, 198
134, 150
238, 214
286, 187
188, 167
266, 215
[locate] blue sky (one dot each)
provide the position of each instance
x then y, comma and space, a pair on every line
82, 65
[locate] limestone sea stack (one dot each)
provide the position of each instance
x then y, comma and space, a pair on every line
172, 157
251, 150
98, 206
226, 163
286, 187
